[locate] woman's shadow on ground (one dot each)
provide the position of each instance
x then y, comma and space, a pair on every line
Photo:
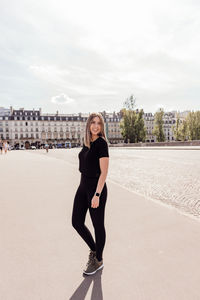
81, 292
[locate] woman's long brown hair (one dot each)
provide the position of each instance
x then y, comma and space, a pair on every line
88, 134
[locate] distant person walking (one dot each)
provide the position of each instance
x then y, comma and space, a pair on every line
92, 191
1, 146
5, 147
47, 147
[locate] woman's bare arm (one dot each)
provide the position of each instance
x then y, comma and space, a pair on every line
104, 163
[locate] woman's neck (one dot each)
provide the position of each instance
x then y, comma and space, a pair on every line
94, 138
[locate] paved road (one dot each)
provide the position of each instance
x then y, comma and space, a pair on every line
151, 252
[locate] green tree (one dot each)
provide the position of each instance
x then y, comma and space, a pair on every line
132, 123
140, 127
158, 126
198, 125
191, 125
127, 125
193, 122
177, 128
184, 130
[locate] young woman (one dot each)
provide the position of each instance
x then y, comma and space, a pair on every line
92, 190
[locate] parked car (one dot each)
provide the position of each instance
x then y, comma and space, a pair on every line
59, 146
22, 148
33, 148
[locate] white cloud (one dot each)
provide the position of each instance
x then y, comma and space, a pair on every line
62, 99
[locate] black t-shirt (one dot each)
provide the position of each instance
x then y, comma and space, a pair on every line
89, 158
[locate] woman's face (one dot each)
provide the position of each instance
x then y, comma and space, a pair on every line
95, 126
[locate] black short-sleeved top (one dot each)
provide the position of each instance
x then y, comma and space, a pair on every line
89, 158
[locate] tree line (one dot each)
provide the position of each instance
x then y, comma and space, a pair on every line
189, 128
133, 127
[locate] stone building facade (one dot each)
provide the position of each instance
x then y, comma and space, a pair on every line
169, 119
21, 127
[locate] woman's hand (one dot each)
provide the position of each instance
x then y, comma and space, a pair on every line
95, 202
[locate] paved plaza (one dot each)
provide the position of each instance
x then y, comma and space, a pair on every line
169, 175
151, 252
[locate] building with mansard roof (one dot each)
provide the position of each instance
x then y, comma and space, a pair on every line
24, 128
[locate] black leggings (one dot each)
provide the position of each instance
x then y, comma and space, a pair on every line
82, 201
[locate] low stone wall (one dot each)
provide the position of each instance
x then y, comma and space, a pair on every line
157, 144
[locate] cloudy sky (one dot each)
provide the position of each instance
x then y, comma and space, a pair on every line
85, 56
